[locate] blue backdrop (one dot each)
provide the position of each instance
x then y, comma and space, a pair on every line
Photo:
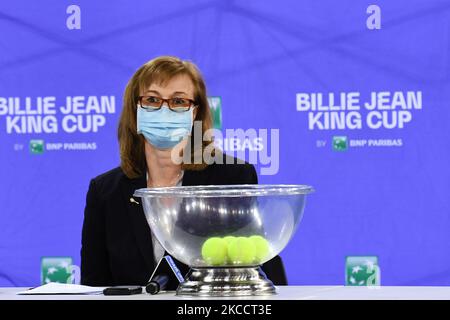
386, 197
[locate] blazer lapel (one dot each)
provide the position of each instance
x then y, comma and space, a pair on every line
139, 222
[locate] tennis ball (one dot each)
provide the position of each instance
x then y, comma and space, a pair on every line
262, 247
241, 250
214, 251
228, 239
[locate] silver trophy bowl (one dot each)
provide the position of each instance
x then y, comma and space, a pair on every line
224, 233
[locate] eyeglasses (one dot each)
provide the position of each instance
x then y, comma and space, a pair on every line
152, 103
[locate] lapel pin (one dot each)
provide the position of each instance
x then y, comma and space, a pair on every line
133, 201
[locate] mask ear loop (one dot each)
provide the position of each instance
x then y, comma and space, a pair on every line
192, 117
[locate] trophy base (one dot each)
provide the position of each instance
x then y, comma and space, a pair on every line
226, 282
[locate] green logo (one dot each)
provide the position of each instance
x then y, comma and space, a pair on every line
362, 271
56, 269
215, 104
340, 143
37, 146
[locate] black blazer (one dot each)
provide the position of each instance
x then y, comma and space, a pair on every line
116, 239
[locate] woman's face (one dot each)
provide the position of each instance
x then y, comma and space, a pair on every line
180, 86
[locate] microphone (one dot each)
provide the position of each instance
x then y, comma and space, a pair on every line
157, 284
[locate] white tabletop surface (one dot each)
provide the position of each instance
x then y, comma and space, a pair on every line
283, 293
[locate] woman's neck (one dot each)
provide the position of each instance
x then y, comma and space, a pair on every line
162, 171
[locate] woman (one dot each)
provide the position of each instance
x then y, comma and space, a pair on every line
161, 101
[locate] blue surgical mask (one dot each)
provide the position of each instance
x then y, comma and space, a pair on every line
164, 128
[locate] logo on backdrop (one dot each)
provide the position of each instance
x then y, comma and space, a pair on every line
83, 114
362, 271
387, 111
251, 145
49, 115
59, 269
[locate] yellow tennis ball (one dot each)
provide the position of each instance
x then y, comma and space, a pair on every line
262, 247
241, 250
214, 251
228, 239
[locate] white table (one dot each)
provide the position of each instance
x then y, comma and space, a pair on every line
284, 293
